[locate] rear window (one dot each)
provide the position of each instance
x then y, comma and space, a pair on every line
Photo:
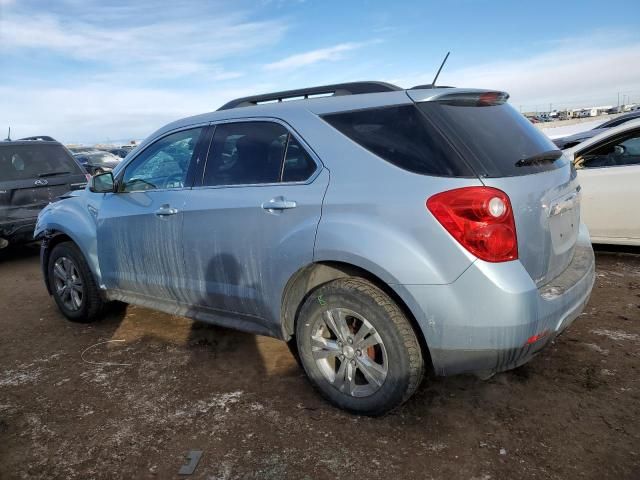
20, 162
402, 136
495, 140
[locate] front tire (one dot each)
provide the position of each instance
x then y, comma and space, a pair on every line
358, 348
73, 287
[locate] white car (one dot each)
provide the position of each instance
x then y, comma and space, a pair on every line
608, 166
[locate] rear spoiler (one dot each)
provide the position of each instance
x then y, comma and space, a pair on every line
460, 96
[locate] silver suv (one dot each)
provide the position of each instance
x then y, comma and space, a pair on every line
379, 231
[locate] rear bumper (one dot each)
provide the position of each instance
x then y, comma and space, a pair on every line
485, 319
16, 231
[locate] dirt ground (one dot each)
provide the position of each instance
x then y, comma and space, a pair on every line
73, 406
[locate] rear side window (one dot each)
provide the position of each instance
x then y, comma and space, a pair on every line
250, 153
402, 136
298, 165
495, 140
21, 162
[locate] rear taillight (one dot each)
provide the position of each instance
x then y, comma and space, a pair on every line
481, 219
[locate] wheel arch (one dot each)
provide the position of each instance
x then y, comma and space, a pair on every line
308, 278
51, 238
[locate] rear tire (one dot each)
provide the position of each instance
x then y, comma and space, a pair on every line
358, 348
72, 284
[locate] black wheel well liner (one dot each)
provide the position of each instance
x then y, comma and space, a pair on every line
307, 279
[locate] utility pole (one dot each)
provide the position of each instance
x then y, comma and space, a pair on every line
618, 102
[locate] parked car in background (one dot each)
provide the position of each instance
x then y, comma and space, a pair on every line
573, 140
33, 173
97, 161
608, 166
120, 152
424, 247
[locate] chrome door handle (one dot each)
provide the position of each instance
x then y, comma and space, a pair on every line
279, 203
166, 210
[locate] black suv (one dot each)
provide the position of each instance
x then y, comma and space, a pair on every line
33, 172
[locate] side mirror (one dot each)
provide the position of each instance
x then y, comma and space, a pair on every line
102, 183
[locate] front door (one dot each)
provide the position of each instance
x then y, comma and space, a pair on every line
252, 223
140, 227
609, 173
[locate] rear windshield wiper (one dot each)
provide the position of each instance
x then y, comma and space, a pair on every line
53, 174
544, 157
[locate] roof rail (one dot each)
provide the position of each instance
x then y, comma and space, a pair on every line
353, 88
41, 138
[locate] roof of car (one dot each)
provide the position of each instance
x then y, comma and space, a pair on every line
283, 104
624, 117
29, 142
605, 133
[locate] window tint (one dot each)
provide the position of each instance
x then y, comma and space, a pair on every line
163, 164
621, 151
246, 153
402, 136
20, 162
494, 139
298, 164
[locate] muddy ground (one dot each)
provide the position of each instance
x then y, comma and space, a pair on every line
133, 408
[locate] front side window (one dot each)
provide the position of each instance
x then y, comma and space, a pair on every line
251, 153
163, 164
621, 151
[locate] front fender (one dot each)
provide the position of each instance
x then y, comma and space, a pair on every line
73, 218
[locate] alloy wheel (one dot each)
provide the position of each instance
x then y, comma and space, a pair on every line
349, 352
68, 283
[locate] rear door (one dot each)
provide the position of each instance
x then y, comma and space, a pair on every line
251, 223
33, 174
507, 152
609, 173
140, 227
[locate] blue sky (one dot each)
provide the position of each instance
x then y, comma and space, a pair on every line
94, 71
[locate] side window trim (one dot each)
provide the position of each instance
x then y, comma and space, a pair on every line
291, 133
190, 172
284, 157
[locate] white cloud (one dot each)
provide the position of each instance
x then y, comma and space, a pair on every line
99, 113
314, 56
165, 47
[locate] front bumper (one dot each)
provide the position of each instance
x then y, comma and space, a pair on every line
483, 321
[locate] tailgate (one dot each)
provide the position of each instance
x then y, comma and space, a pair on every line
508, 153
546, 209
23, 199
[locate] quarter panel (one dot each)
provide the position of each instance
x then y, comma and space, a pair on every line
374, 215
